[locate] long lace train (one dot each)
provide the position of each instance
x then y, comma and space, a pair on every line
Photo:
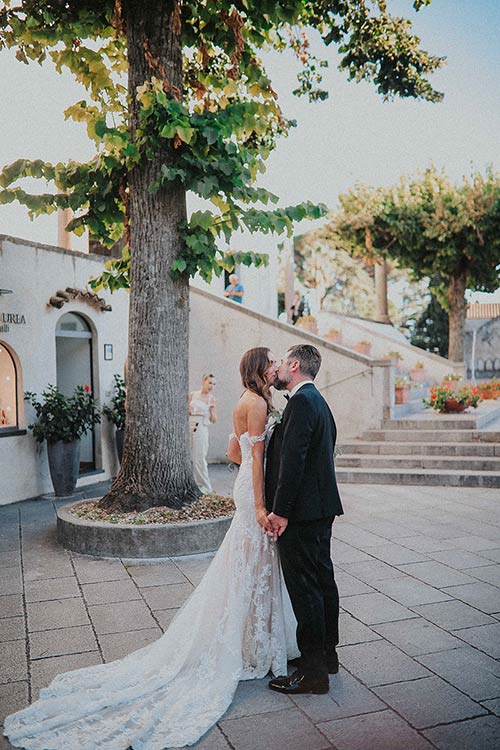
237, 625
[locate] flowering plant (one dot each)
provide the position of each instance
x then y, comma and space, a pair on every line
274, 418
440, 394
62, 417
452, 377
419, 365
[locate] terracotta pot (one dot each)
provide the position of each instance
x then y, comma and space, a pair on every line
365, 349
335, 338
417, 375
490, 395
451, 405
401, 394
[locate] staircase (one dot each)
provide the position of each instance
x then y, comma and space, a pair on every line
429, 449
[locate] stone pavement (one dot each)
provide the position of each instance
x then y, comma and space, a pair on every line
419, 576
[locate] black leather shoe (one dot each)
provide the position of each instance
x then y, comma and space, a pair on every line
332, 663
298, 683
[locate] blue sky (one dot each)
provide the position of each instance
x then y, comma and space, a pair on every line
353, 136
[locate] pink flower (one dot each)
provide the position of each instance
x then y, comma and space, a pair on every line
86, 388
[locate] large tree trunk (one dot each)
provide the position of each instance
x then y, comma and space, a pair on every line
156, 466
457, 313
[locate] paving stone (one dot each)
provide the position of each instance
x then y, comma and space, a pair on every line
11, 581
11, 605
120, 617
348, 532
453, 615
350, 586
212, 740
347, 697
395, 554
277, 729
491, 554
48, 569
110, 592
10, 558
493, 705
51, 588
483, 596
488, 573
117, 645
485, 637
90, 570
167, 597
378, 663
409, 592
346, 553
253, 697
12, 629
471, 671
43, 671
474, 543
165, 616
13, 662
194, 567
13, 697
424, 544
427, 702
476, 734
459, 559
417, 636
62, 641
59, 614
375, 608
352, 631
376, 731
371, 571
156, 575
436, 574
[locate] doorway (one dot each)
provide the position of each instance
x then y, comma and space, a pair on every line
74, 367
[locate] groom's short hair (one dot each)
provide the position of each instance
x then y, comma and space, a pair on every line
308, 357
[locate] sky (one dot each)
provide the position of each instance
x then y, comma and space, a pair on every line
353, 136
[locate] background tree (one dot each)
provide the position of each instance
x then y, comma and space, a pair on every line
431, 329
450, 234
198, 113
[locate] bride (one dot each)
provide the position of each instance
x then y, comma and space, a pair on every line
237, 625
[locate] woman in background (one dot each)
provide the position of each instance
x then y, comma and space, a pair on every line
202, 413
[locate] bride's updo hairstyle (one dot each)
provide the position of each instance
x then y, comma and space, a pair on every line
253, 366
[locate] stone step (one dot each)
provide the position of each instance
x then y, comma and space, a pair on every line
400, 463
370, 447
444, 422
432, 436
450, 478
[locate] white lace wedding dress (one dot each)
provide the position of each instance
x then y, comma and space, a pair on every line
237, 625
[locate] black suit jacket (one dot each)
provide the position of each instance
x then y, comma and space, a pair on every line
300, 481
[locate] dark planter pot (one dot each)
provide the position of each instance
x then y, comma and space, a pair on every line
64, 466
452, 406
119, 437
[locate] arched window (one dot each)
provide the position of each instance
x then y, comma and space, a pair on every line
9, 419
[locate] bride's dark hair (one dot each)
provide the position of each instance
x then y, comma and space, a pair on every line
253, 366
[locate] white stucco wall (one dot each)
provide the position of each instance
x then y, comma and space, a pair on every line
34, 273
219, 335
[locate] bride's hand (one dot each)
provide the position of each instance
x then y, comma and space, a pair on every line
262, 519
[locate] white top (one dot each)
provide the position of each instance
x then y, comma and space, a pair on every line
298, 386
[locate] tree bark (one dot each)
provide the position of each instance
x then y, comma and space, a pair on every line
156, 466
381, 303
457, 313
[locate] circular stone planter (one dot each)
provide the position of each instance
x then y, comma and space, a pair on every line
138, 541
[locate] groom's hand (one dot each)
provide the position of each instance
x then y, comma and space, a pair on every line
278, 523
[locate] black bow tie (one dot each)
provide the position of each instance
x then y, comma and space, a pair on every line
287, 396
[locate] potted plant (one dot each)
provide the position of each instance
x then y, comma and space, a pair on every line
446, 399
417, 373
308, 323
394, 358
116, 412
452, 378
490, 389
402, 389
334, 335
363, 347
61, 421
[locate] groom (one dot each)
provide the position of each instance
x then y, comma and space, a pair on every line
303, 500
